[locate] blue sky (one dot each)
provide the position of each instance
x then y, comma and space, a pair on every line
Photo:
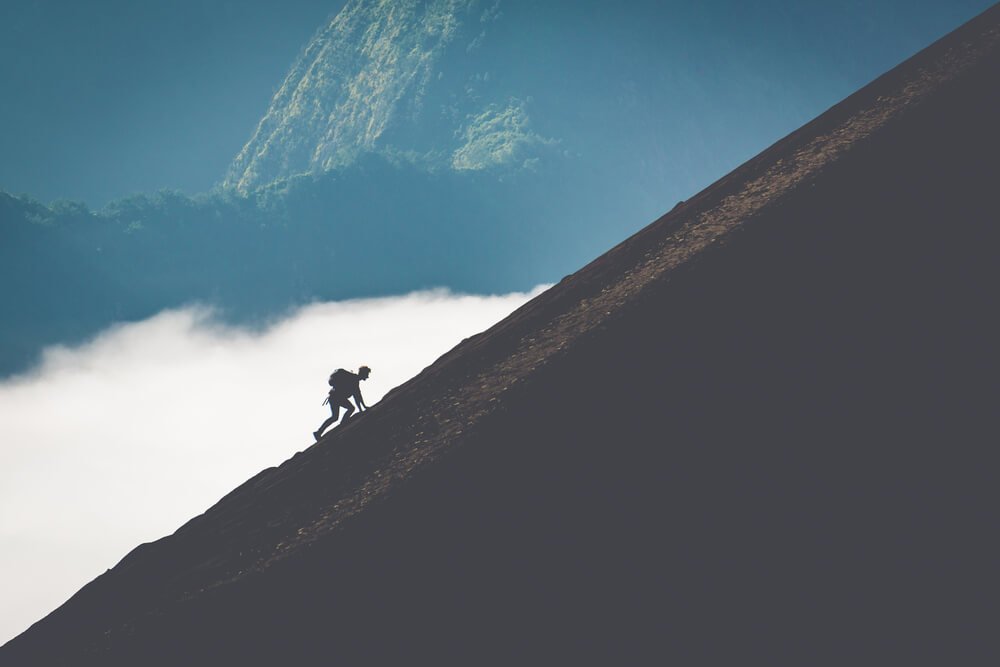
106, 98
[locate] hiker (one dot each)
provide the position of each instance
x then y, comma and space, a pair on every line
344, 385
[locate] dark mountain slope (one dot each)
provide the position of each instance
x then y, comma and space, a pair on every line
758, 430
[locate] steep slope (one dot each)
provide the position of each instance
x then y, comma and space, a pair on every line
757, 430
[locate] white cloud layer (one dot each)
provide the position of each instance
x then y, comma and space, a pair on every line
122, 440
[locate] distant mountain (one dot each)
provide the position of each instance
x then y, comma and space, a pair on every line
401, 152
761, 430
499, 85
479, 145
403, 78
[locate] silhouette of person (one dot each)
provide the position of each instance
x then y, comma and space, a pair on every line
344, 385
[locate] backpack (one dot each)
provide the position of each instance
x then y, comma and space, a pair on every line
339, 374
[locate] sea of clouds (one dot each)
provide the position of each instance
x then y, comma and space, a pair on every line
123, 439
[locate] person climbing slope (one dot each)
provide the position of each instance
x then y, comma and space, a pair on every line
344, 385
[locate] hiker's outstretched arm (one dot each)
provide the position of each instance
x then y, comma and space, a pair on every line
360, 401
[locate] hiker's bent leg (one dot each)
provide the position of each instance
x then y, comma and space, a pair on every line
329, 420
334, 413
348, 410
